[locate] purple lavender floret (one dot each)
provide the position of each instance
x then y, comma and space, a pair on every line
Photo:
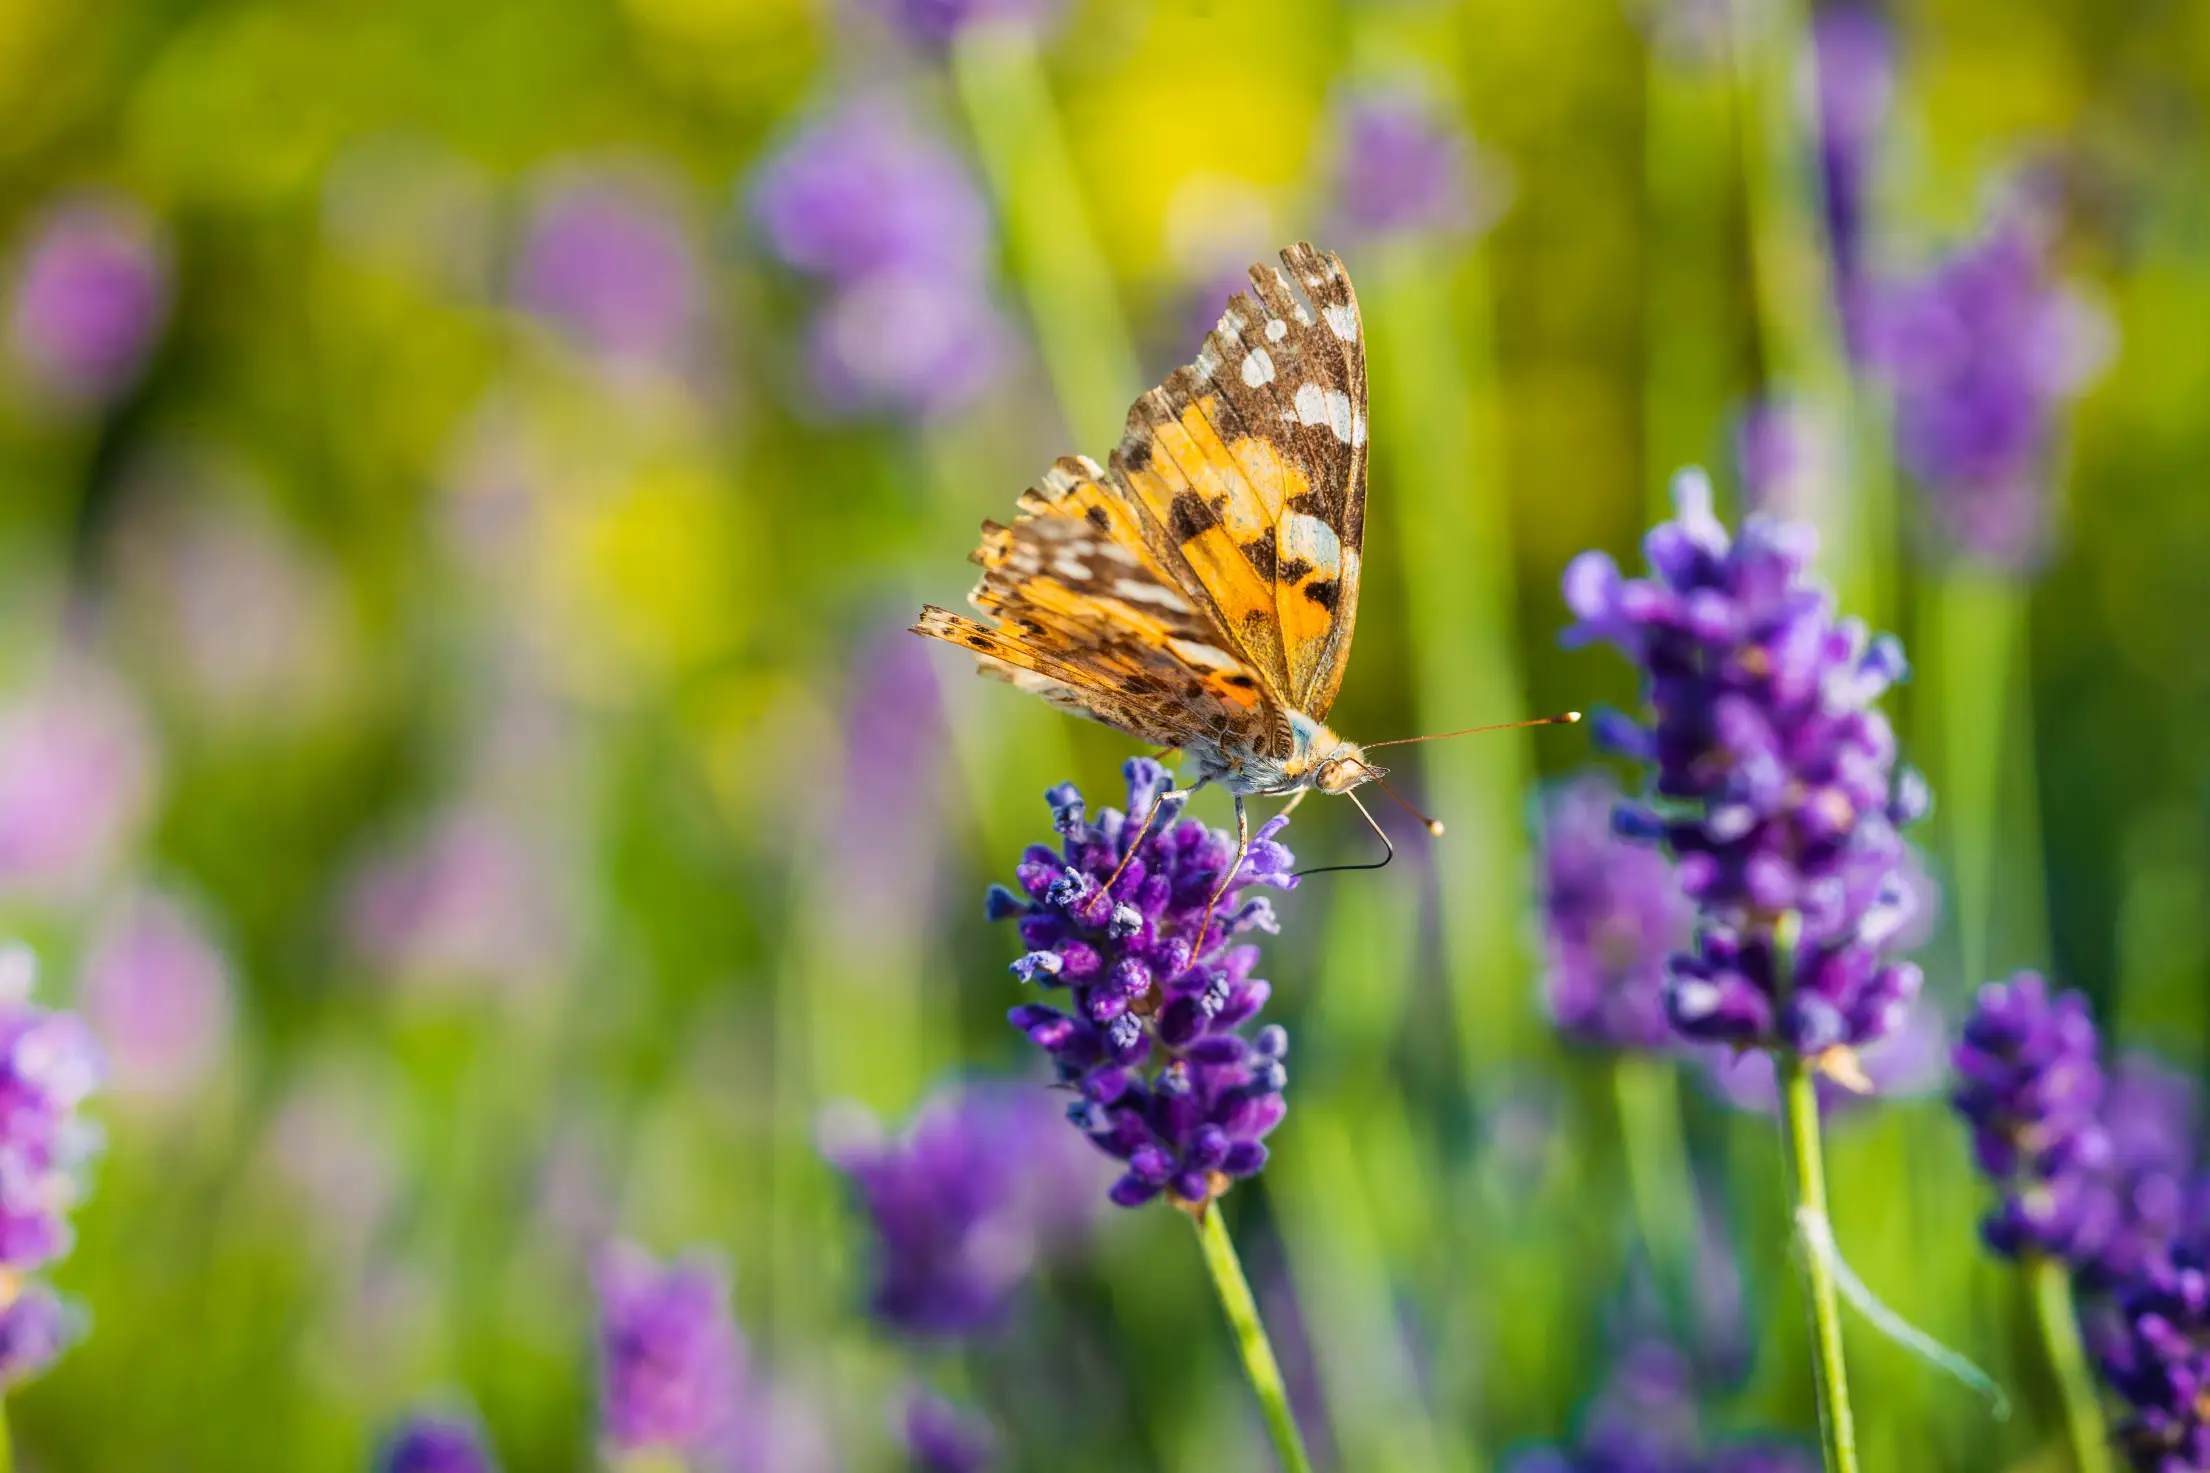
1775, 780
941, 1438
2151, 1118
90, 297
1150, 1039
671, 1365
963, 1204
2029, 1084
1613, 911
436, 1442
1983, 350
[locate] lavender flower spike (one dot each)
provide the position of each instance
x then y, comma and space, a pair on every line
2159, 1363
1168, 1083
1775, 780
671, 1366
940, 1438
2028, 1083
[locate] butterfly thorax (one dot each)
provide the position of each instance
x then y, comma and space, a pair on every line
1317, 758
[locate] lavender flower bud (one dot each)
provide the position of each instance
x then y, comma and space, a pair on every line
1612, 912
671, 1365
90, 295
436, 1442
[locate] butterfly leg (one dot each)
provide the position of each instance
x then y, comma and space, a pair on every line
1294, 799
1128, 851
1242, 848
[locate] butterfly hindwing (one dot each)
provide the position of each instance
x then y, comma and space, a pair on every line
1251, 463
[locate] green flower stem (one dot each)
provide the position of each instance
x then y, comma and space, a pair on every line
1799, 1104
2051, 1281
1055, 254
7, 1444
1659, 1180
1977, 642
1250, 1339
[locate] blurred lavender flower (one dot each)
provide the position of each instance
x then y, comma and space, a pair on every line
436, 1442
466, 899
90, 296
671, 1365
963, 1202
609, 261
48, 1066
1853, 75
1613, 911
1983, 350
1790, 460
1647, 1421
894, 744
1401, 167
889, 217
2159, 1361
1910, 1062
2030, 1086
35, 1328
1167, 1083
940, 1438
1776, 775
76, 772
2151, 1120
938, 22
157, 991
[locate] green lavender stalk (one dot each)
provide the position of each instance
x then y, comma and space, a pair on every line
1251, 1342
1806, 1176
2051, 1281
1647, 1094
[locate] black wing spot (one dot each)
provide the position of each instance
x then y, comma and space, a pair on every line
1191, 517
1237, 680
1294, 570
1137, 455
1099, 518
1262, 554
1325, 593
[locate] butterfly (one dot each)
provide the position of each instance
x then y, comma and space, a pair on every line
1199, 591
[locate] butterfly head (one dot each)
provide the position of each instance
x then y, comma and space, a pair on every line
1342, 769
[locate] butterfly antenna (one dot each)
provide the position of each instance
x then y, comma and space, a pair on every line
1382, 863
1563, 718
1433, 826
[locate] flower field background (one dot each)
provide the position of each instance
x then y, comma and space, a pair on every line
465, 476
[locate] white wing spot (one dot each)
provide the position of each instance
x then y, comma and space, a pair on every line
1190, 652
1303, 317
1306, 538
1230, 325
1144, 591
1342, 321
1207, 364
1070, 570
1312, 405
1258, 368
1276, 329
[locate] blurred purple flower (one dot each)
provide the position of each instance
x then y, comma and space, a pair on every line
2029, 1085
436, 1442
1774, 786
1613, 912
2158, 1361
2151, 1120
940, 1438
76, 773
36, 1326
1984, 349
1647, 1421
465, 899
1853, 75
963, 1202
912, 343
894, 745
888, 215
91, 294
1167, 1082
157, 991
938, 22
609, 261
1790, 461
1401, 167
867, 190
672, 1368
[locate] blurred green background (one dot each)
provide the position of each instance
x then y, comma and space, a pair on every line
468, 762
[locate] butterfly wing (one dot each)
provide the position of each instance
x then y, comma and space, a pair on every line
1089, 620
1249, 466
